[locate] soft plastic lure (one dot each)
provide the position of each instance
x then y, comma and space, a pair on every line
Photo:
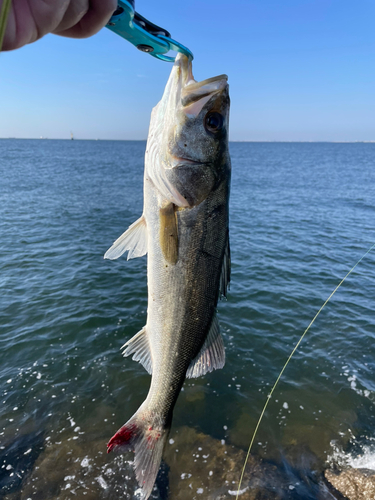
145, 35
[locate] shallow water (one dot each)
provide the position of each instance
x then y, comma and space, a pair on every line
301, 216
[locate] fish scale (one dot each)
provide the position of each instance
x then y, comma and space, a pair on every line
184, 231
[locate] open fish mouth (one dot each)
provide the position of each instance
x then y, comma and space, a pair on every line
213, 82
193, 91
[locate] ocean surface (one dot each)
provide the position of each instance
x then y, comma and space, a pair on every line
301, 216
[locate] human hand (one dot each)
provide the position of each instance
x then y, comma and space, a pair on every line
30, 20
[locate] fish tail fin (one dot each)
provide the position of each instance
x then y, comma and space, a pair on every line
146, 436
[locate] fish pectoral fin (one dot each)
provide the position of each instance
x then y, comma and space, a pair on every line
134, 240
139, 346
169, 233
212, 354
225, 270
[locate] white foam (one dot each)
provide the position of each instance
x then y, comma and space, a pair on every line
238, 492
364, 460
102, 482
353, 380
85, 462
71, 420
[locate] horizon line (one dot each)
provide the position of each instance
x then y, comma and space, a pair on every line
233, 140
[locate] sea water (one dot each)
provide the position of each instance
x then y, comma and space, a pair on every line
301, 216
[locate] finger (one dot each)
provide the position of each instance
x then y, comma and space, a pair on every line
76, 10
29, 20
93, 20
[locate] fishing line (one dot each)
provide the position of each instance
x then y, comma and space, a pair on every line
3, 19
286, 364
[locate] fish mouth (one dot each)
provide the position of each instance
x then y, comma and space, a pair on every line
179, 161
193, 91
208, 83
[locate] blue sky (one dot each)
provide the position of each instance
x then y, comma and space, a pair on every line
301, 70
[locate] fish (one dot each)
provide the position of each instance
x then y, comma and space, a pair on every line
184, 229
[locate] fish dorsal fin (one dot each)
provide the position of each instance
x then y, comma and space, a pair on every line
134, 240
140, 347
225, 271
212, 354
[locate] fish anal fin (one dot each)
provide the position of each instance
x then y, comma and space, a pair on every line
169, 233
212, 355
139, 346
134, 240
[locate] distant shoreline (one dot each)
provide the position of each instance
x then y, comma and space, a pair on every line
144, 140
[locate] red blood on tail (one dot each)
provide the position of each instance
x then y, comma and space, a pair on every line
145, 434
123, 436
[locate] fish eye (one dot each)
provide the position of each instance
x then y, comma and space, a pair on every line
213, 121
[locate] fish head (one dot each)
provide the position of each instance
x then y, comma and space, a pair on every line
188, 139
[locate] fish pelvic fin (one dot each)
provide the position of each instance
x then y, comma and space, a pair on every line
146, 435
134, 240
139, 346
211, 356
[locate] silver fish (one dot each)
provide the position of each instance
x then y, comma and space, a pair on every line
184, 231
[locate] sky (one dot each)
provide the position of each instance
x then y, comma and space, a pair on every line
299, 70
